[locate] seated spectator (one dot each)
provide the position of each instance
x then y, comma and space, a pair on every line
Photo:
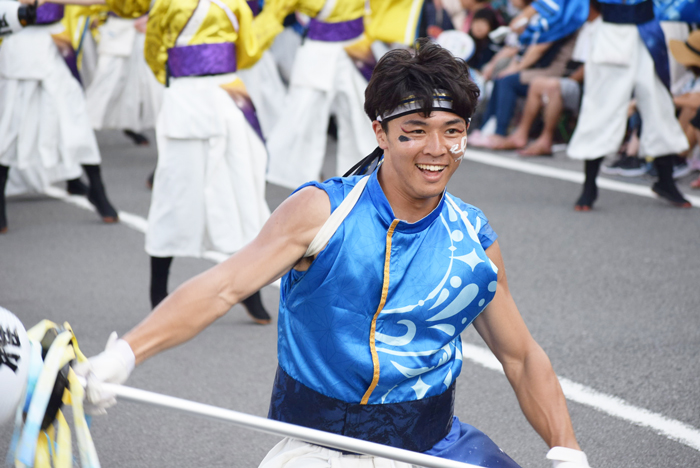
434, 19
628, 162
484, 21
545, 59
695, 122
554, 94
472, 7
688, 102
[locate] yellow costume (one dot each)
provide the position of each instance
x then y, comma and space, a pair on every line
324, 81
394, 22
209, 186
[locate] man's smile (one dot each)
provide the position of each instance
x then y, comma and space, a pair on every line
431, 167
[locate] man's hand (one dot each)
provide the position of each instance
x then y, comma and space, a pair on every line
512, 68
563, 457
141, 23
113, 365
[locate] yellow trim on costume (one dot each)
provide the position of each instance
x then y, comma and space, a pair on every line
385, 292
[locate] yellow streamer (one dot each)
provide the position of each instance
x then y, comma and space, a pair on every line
56, 442
42, 459
64, 447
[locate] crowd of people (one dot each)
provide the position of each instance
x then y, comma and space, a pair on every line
231, 112
584, 68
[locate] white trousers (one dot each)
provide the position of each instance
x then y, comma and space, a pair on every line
209, 187
324, 81
266, 90
45, 131
611, 75
124, 93
292, 453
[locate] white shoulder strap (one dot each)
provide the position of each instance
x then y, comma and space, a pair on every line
336, 219
326, 11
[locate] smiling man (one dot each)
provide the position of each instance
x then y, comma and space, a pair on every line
381, 274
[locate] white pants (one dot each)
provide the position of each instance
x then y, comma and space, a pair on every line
123, 93
284, 50
292, 453
611, 75
45, 132
209, 187
324, 81
266, 90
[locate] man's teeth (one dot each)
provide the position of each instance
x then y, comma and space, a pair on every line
430, 167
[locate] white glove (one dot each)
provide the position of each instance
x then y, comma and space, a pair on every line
113, 365
563, 457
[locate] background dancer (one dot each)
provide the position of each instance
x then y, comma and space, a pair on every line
324, 81
45, 132
209, 188
628, 54
123, 94
404, 269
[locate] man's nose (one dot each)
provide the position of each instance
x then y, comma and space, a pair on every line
434, 146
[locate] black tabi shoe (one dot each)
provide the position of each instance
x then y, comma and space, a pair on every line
671, 195
666, 187
77, 187
97, 195
256, 310
586, 200
591, 168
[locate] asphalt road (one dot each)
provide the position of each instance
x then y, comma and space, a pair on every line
613, 297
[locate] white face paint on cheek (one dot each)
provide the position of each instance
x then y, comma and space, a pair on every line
459, 149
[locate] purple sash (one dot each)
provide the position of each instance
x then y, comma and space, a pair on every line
334, 32
49, 13
202, 59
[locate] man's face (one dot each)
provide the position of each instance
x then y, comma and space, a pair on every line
421, 153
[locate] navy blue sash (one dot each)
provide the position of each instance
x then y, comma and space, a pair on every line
412, 425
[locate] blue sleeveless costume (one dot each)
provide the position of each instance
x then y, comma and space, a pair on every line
369, 336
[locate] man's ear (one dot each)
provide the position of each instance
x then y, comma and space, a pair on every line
382, 140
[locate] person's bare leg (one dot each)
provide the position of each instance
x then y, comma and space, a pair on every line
686, 114
552, 111
533, 104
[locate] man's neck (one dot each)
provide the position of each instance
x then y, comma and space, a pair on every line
405, 207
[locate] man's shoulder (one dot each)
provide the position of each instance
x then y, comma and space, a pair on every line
469, 209
475, 217
336, 188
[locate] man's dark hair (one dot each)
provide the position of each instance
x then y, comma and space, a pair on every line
402, 73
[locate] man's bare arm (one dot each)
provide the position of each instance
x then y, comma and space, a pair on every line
526, 365
200, 301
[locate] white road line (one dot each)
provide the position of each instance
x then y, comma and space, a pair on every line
131, 220
608, 404
563, 174
611, 405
